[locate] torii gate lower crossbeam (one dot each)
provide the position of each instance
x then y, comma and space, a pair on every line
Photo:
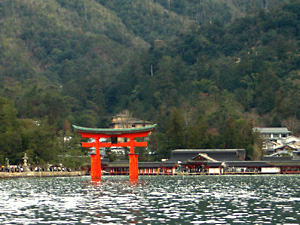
98, 133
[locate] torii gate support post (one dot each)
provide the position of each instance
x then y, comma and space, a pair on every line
133, 162
96, 162
133, 167
96, 167
95, 159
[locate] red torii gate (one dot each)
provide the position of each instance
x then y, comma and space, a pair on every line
114, 134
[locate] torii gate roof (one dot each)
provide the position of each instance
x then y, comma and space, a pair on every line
111, 131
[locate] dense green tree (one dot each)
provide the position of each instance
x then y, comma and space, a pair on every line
10, 138
176, 130
197, 133
42, 147
158, 146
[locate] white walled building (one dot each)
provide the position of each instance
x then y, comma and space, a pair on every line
272, 133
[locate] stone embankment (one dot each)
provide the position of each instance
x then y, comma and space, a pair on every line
41, 174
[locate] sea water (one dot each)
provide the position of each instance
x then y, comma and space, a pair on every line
253, 199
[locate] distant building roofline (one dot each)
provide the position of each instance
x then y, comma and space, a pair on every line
274, 130
207, 150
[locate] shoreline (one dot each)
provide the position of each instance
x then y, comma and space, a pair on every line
41, 174
83, 173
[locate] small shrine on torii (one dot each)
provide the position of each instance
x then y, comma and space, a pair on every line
112, 135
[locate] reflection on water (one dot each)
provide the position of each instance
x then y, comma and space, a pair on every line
151, 200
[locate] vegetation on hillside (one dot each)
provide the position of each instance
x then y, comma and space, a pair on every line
205, 71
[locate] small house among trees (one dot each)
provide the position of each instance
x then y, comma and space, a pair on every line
272, 133
125, 120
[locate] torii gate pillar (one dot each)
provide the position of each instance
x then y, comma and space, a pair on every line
133, 161
98, 133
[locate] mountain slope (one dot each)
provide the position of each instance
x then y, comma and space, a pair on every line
186, 65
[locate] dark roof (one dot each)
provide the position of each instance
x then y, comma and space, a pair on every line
217, 154
223, 156
168, 163
282, 161
278, 158
111, 131
286, 163
204, 157
214, 164
247, 164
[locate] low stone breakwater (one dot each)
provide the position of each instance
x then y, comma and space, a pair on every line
42, 174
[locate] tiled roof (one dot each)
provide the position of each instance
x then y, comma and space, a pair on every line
278, 158
286, 163
217, 154
272, 130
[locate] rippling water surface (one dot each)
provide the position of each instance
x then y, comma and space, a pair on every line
273, 199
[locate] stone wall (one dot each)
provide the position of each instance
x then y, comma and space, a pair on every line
41, 174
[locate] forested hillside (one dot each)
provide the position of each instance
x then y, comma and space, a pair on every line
205, 71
